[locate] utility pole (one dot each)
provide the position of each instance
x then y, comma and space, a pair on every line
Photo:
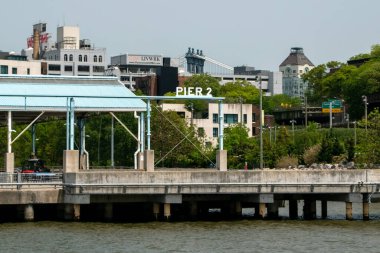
365, 114
330, 104
293, 121
305, 111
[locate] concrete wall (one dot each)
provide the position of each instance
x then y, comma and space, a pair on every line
242, 177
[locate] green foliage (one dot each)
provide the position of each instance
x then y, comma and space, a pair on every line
279, 102
239, 146
240, 91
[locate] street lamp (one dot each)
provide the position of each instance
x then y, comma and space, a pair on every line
261, 123
354, 133
365, 113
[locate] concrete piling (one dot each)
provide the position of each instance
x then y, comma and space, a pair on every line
167, 212
156, 210
293, 209
28, 213
348, 210
108, 211
324, 209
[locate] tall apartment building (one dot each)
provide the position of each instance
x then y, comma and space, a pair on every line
292, 69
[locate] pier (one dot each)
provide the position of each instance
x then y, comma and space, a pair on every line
116, 194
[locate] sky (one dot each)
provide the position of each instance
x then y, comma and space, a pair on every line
235, 32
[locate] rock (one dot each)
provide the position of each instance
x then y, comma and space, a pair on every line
314, 166
350, 165
301, 167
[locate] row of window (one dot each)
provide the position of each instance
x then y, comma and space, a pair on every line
231, 118
82, 58
4, 70
81, 68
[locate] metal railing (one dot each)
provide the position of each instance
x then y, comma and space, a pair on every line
30, 179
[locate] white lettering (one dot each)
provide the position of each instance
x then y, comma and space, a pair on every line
178, 90
198, 91
192, 91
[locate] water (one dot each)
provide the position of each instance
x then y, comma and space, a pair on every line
236, 236
332, 235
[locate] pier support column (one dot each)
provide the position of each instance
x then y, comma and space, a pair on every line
108, 211
365, 207
310, 209
156, 210
365, 211
193, 210
324, 209
72, 212
221, 160
348, 210
238, 209
149, 160
28, 213
167, 211
260, 210
273, 210
293, 209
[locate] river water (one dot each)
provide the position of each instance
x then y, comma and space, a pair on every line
246, 235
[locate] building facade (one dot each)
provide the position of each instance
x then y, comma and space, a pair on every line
208, 127
292, 69
12, 64
71, 56
152, 74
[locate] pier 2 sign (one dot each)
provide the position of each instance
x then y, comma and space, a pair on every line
193, 91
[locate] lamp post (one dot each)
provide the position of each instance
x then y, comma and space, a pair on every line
354, 133
261, 123
365, 113
305, 111
330, 107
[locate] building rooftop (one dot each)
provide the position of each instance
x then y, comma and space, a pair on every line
50, 93
296, 57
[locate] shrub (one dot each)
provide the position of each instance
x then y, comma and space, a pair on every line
286, 161
311, 154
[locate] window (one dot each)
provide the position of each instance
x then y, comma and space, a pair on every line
245, 118
14, 71
80, 58
68, 68
85, 58
100, 58
28, 71
71, 57
215, 118
98, 68
65, 57
83, 68
3, 69
56, 57
54, 67
95, 58
215, 132
253, 117
230, 118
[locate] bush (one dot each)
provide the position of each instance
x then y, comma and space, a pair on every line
311, 154
286, 161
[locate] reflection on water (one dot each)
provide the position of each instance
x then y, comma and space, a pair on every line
245, 235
